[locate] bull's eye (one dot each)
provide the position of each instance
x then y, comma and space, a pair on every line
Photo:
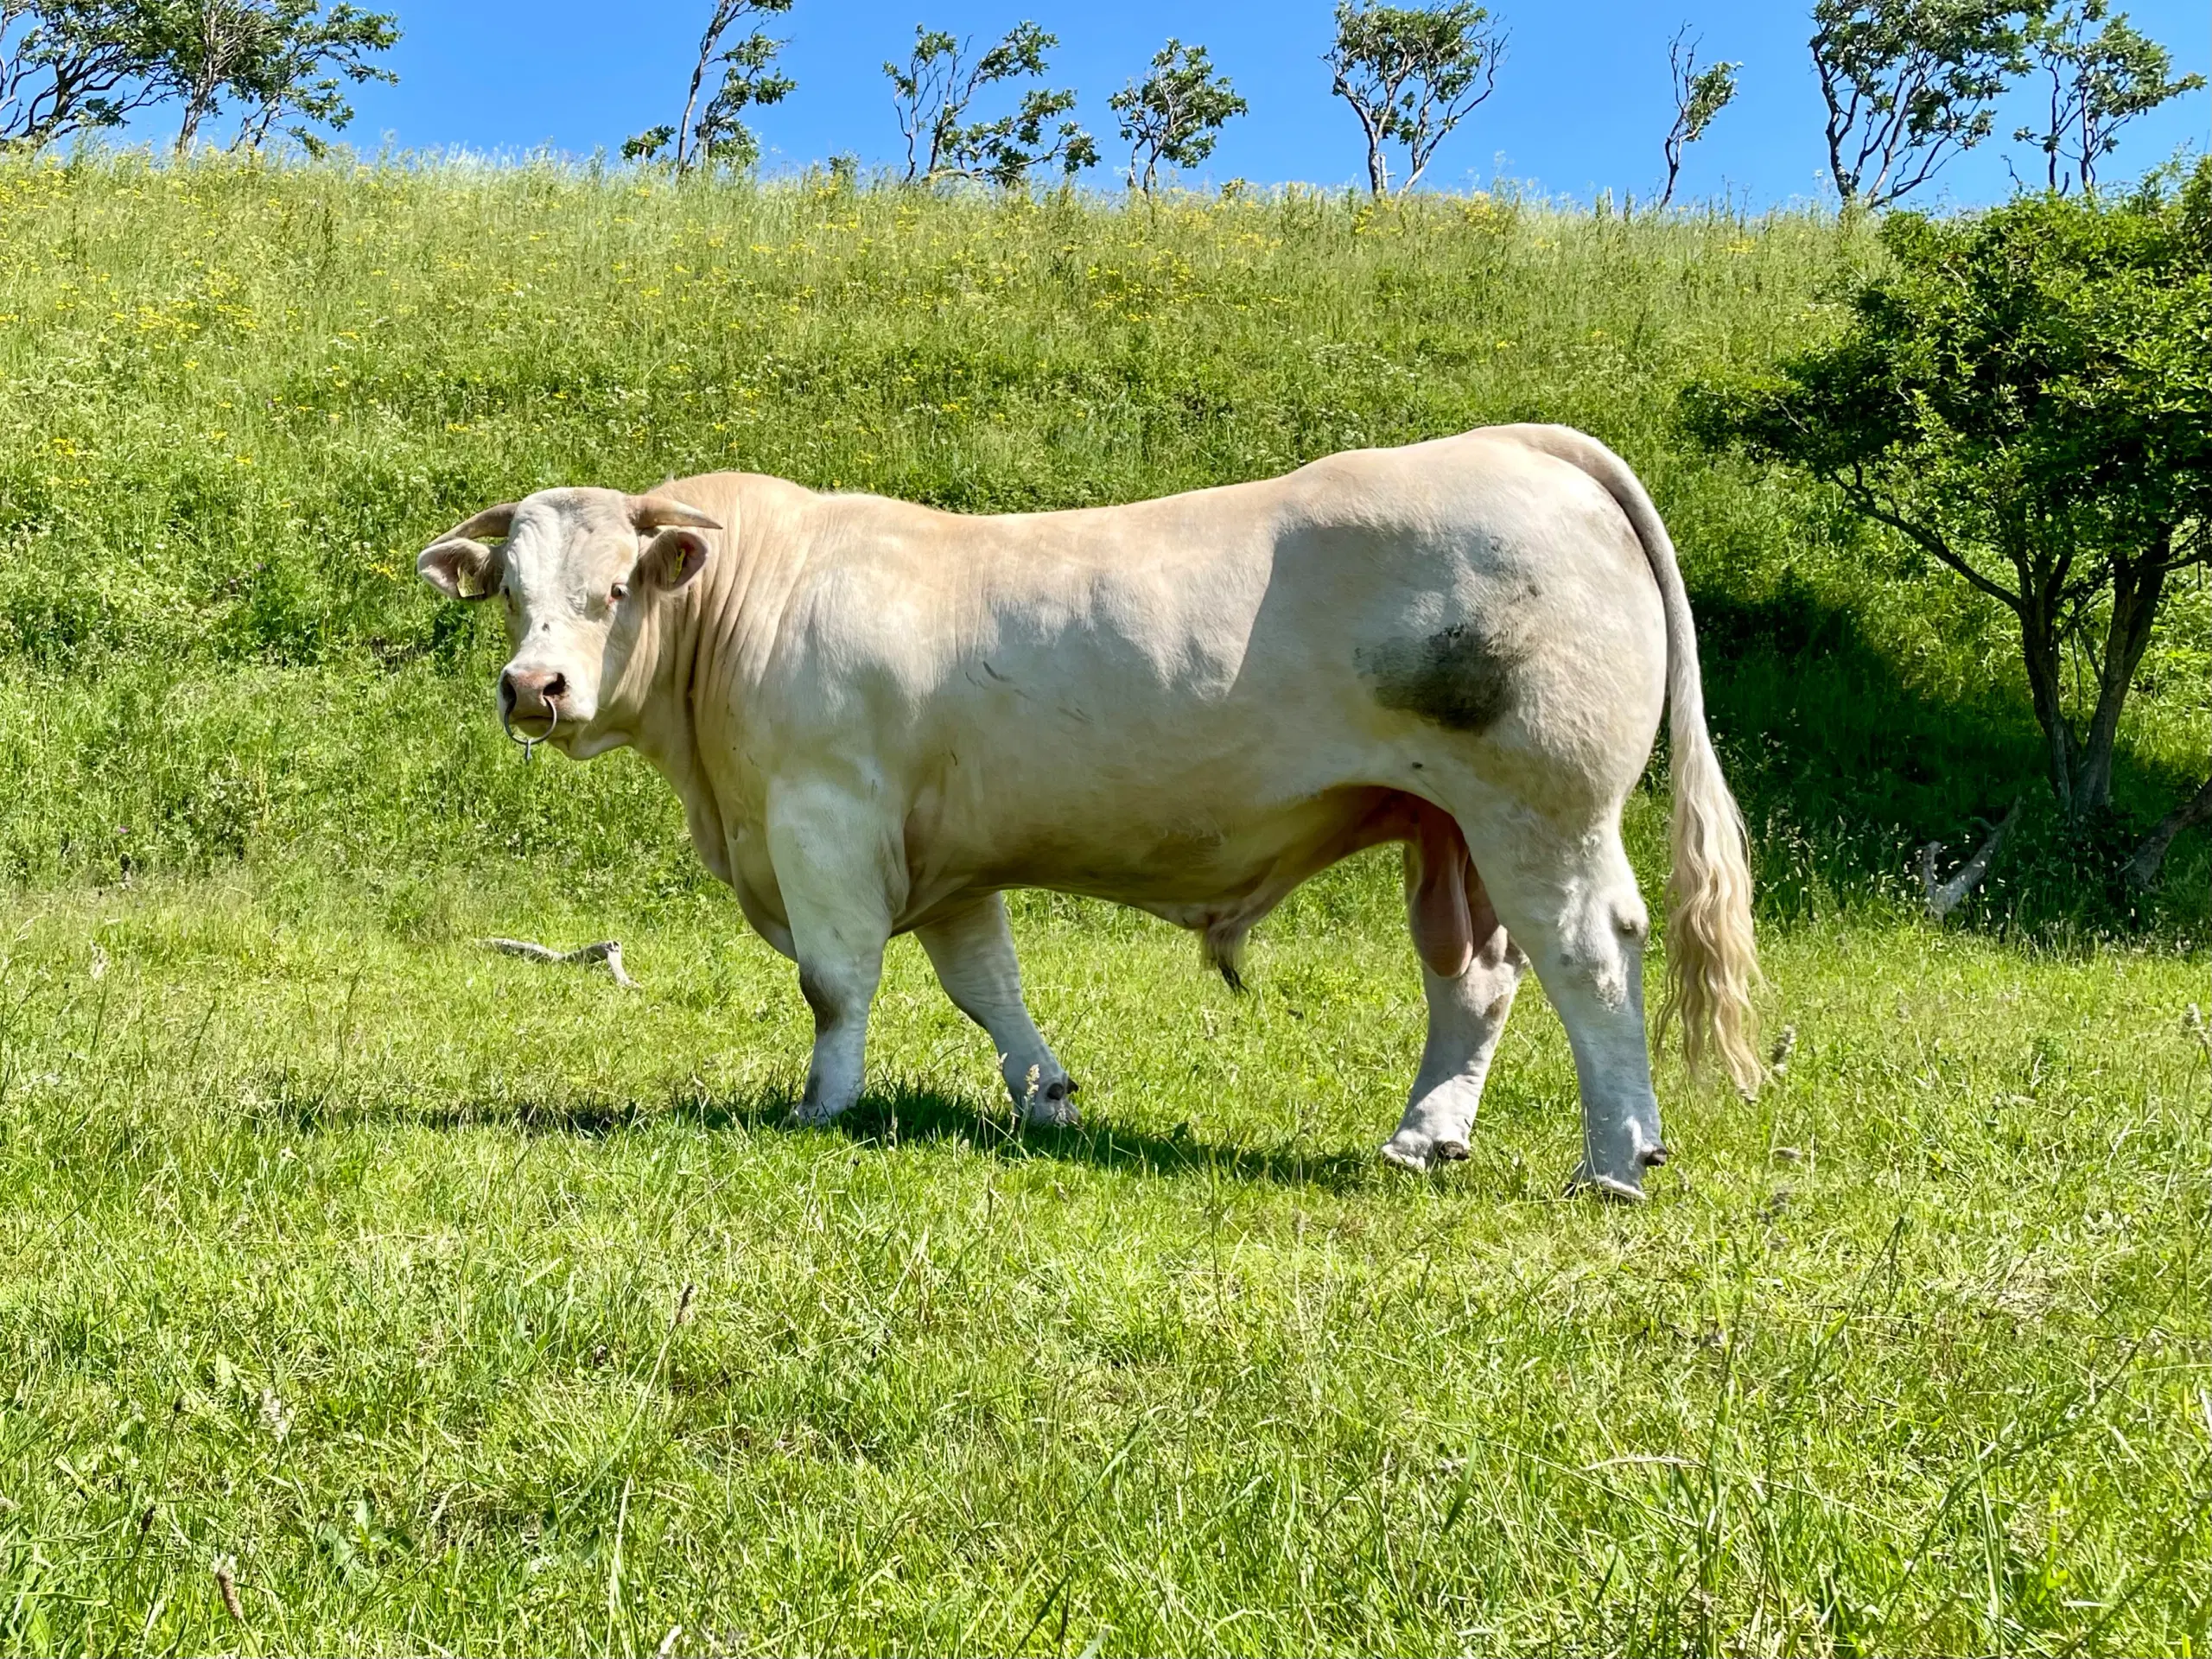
620, 592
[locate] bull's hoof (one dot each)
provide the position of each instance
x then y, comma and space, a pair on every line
1609, 1187
1407, 1154
1053, 1107
812, 1114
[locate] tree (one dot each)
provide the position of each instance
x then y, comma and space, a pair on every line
1175, 114
213, 41
2025, 398
71, 65
1411, 74
2099, 83
749, 80
1908, 84
1699, 94
931, 94
273, 57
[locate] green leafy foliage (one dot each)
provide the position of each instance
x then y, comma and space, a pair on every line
74, 65
2026, 398
1411, 74
277, 60
718, 134
1908, 84
1700, 95
71, 66
2099, 82
940, 80
1175, 114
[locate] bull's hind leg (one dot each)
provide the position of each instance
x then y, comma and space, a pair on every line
1570, 900
972, 950
1470, 971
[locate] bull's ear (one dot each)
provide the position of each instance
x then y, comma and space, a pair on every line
458, 564
673, 557
679, 552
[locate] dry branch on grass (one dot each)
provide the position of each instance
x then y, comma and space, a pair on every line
1944, 897
606, 950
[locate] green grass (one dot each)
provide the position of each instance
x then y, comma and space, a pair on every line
235, 400
349, 1250
340, 1250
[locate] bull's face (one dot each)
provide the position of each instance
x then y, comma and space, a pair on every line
582, 575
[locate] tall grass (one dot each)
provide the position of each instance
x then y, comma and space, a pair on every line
234, 399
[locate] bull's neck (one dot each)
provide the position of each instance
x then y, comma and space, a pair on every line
667, 733
693, 629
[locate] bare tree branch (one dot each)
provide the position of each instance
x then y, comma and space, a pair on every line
1944, 897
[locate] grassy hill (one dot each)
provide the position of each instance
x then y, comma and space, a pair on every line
405, 1297
235, 400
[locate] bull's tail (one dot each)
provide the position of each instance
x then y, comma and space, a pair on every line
1711, 960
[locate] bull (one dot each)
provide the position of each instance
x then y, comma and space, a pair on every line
879, 717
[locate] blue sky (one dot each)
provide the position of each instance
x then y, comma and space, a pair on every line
1581, 105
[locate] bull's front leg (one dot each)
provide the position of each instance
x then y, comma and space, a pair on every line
830, 860
972, 950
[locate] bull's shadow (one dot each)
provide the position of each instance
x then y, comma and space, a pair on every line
902, 1114
884, 1118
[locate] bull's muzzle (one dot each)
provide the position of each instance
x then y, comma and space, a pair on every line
530, 694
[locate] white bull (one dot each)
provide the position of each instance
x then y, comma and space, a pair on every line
878, 716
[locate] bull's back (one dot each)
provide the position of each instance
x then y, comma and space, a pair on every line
1163, 692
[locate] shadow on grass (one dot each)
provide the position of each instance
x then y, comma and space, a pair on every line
1844, 772
884, 1118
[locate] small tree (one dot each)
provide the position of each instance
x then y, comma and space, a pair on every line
213, 41
2026, 399
933, 92
273, 57
71, 65
1411, 74
1908, 84
749, 80
2099, 83
1699, 94
1174, 114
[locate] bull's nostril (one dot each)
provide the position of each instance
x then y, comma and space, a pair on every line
556, 688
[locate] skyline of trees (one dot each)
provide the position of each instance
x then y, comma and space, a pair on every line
1908, 85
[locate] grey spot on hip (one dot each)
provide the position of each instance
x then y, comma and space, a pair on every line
1457, 677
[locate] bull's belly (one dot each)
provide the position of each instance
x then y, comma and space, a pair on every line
1200, 870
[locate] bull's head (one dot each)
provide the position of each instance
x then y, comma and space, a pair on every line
581, 575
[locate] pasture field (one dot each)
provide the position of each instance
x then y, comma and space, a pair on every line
354, 1255
417, 1298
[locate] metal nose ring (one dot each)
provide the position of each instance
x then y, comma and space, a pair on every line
529, 743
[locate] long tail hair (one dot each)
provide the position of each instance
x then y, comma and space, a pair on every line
1711, 958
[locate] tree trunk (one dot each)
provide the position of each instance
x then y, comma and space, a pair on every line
683, 127
2143, 868
193, 110
2039, 645
2134, 607
1944, 897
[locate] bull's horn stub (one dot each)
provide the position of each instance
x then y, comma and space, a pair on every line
490, 525
649, 512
